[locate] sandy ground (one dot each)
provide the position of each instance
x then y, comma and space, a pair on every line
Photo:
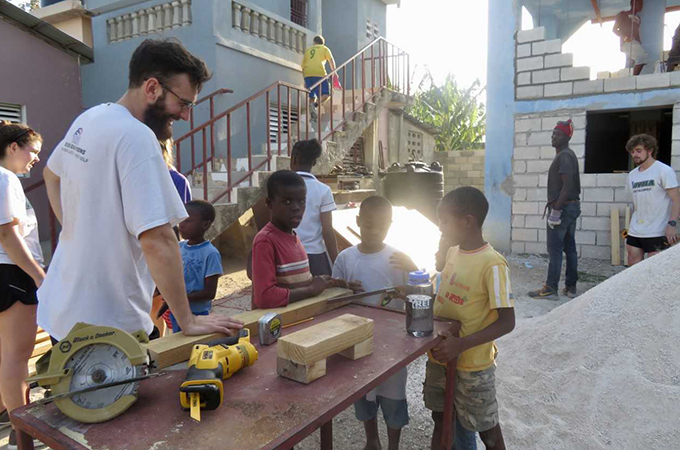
527, 273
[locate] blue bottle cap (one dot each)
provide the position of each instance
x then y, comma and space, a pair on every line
418, 277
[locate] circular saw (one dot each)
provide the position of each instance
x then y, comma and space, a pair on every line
94, 372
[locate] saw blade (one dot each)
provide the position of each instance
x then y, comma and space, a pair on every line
195, 401
99, 364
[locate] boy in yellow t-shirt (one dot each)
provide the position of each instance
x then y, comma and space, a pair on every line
314, 69
475, 290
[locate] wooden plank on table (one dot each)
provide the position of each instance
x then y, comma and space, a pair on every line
616, 243
302, 373
176, 348
626, 225
324, 339
41, 348
359, 350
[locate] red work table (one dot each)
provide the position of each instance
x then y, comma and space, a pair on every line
260, 411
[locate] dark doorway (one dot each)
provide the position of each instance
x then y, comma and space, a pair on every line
607, 134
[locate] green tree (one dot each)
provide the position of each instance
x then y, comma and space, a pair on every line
30, 5
455, 112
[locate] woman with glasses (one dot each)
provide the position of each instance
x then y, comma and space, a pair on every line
21, 266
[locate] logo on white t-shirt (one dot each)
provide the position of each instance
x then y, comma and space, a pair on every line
77, 135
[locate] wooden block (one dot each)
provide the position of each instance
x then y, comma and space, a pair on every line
359, 350
616, 243
41, 336
324, 339
176, 348
626, 225
41, 348
302, 373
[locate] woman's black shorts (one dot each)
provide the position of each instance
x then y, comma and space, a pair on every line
16, 286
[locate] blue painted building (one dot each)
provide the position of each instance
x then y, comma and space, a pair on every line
532, 85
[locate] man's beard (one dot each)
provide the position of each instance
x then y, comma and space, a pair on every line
156, 118
642, 161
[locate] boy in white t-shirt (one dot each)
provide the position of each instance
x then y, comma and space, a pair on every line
653, 187
378, 266
316, 230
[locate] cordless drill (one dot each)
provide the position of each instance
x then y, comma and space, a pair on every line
211, 363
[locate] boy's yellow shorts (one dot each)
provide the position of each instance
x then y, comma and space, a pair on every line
475, 396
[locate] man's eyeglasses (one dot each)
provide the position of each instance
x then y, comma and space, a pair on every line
186, 104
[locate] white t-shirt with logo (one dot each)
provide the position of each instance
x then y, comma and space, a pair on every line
319, 200
650, 199
15, 205
114, 186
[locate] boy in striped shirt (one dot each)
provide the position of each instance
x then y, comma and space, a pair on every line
280, 265
475, 290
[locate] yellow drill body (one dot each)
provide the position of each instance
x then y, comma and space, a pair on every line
211, 363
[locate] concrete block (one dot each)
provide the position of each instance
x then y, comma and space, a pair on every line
676, 131
581, 165
523, 50
588, 180
518, 221
579, 137
525, 208
536, 248
548, 153
475, 173
517, 247
621, 195
595, 223
519, 166
540, 166
519, 195
535, 34
598, 195
526, 152
524, 234
675, 162
529, 92
476, 159
588, 87
537, 222
543, 180
523, 125
603, 75
605, 209
619, 84
523, 78
559, 60
548, 123
586, 237
596, 252
527, 64
542, 236
575, 73
676, 115
546, 47
545, 76
589, 209
612, 179
479, 166
654, 81
604, 238
675, 148
537, 194
675, 79
540, 138
520, 139
579, 120
558, 89
579, 150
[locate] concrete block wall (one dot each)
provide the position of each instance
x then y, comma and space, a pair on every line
462, 168
542, 71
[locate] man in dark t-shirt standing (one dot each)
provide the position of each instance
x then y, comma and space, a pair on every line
564, 189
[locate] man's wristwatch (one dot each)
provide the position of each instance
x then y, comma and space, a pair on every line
672, 223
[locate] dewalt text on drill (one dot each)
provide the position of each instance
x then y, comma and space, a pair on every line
209, 365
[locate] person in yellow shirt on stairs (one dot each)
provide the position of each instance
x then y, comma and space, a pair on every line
475, 290
314, 69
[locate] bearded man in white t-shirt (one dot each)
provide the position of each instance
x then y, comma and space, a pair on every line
656, 200
112, 193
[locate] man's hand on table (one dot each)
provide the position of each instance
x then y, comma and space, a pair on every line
212, 324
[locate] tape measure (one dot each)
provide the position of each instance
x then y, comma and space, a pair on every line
269, 327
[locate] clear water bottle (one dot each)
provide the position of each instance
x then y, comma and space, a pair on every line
419, 304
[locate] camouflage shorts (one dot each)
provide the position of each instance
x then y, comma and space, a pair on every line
475, 396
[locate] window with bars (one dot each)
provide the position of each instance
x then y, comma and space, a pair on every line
298, 12
274, 123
